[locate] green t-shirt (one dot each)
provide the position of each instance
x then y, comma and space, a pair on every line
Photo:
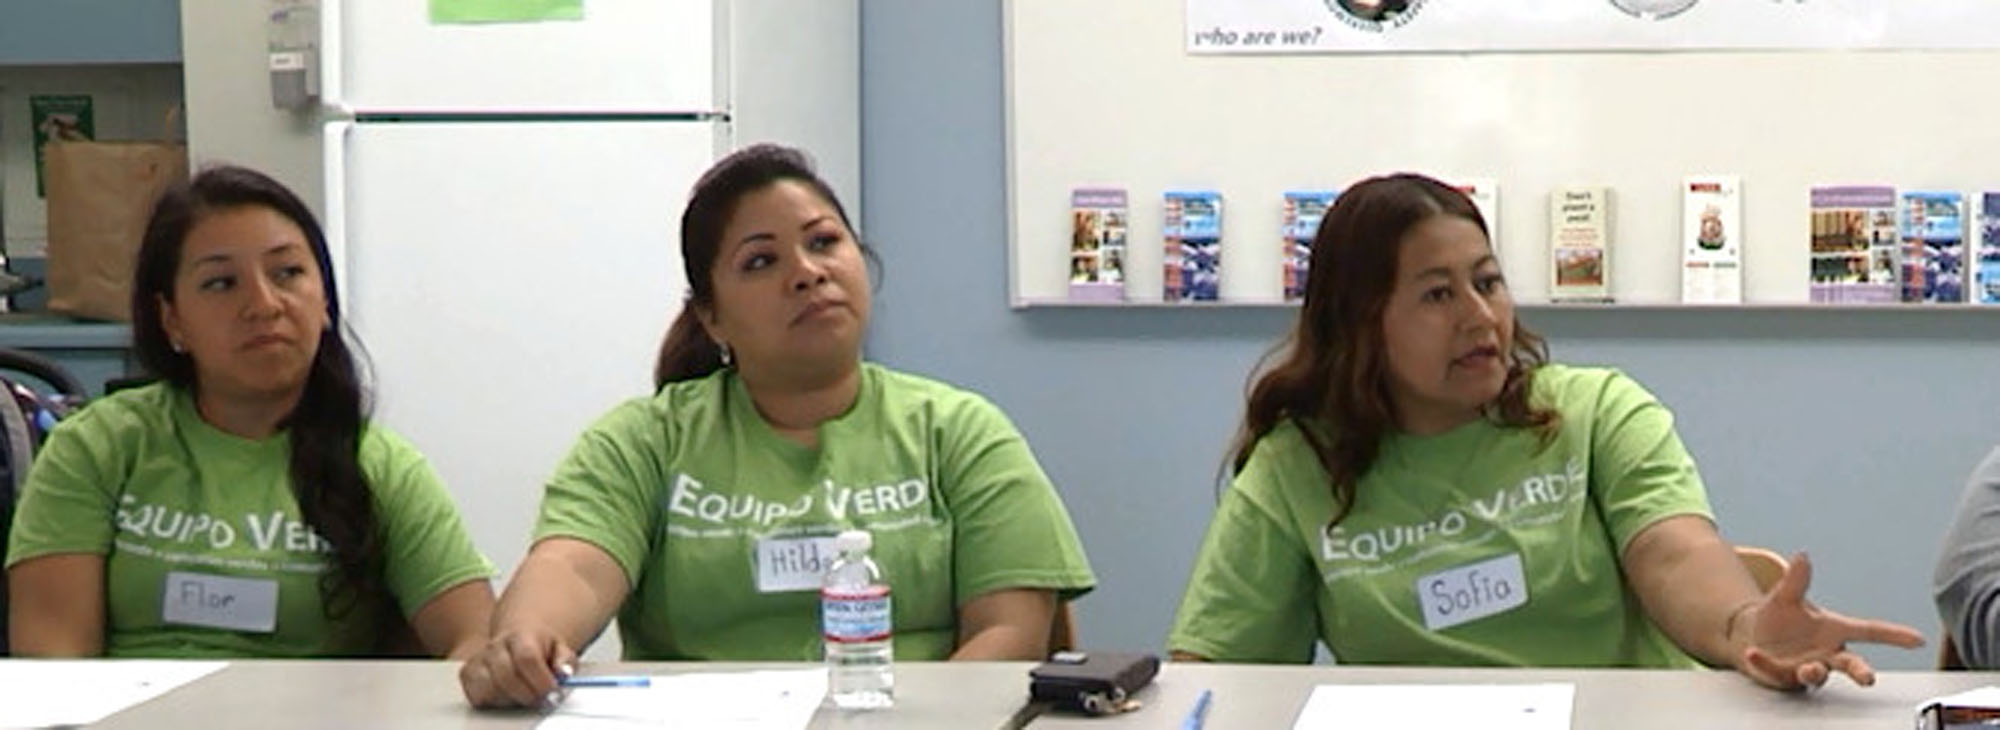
204, 551
1477, 546
723, 527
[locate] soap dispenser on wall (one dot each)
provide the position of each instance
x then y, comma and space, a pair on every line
292, 33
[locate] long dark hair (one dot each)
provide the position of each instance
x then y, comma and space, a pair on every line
1331, 377
333, 494
687, 352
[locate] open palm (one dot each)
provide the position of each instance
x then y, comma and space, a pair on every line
1793, 643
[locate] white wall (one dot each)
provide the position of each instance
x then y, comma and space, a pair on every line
230, 118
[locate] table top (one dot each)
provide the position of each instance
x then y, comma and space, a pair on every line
425, 694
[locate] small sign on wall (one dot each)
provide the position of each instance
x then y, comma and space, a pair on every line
504, 11
66, 117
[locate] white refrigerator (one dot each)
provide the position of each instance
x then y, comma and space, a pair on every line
503, 204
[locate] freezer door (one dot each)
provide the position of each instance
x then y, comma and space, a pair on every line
511, 282
622, 56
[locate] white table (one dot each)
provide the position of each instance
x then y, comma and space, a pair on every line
425, 694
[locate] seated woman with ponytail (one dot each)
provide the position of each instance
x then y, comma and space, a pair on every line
244, 506
703, 516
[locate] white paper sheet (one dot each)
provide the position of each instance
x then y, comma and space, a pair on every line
1988, 696
51, 692
770, 700
1439, 706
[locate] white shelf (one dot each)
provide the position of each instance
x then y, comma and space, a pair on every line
1156, 304
1753, 307
1542, 306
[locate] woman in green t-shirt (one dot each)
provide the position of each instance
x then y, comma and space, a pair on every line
1415, 484
243, 506
703, 515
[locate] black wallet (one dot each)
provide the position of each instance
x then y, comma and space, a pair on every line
1093, 683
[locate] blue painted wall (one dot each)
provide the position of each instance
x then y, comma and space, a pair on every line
48, 32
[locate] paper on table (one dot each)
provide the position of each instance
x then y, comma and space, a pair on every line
1445, 707
49, 692
771, 700
1974, 708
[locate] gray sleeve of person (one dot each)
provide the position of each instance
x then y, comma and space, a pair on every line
1967, 583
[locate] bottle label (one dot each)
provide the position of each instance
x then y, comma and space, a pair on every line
852, 616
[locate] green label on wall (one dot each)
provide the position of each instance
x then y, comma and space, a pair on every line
59, 117
504, 11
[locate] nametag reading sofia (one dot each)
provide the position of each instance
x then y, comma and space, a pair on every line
240, 604
1471, 592
793, 563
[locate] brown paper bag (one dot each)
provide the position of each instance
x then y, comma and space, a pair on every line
99, 196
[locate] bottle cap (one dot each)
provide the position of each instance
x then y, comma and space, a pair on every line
854, 541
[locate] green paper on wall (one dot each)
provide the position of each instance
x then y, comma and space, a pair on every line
59, 117
504, 11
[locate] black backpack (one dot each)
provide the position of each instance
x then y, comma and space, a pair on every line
27, 413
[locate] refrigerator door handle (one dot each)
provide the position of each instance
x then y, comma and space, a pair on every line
333, 57
333, 164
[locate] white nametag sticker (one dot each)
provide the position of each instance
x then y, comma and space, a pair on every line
240, 604
793, 563
1472, 592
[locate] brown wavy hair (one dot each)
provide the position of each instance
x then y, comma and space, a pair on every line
1331, 373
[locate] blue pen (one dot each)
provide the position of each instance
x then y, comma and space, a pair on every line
1196, 715
568, 682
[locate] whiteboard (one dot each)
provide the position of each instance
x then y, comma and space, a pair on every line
1293, 26
1102, 94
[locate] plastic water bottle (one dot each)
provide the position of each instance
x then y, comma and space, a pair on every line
854, 611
